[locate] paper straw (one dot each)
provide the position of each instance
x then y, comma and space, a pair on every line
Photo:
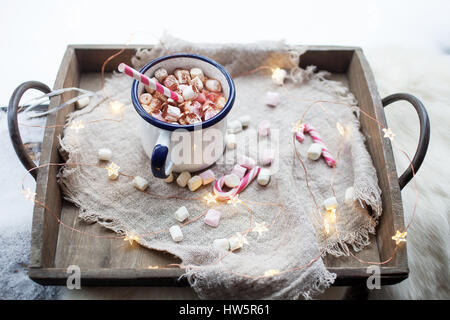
149, 82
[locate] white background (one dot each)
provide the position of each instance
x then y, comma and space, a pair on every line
34, 34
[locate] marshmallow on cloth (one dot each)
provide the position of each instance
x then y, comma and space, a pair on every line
221, 244
183, 178
181, 214
272, 98
83, 102
264, 128
315, 151
140, 183
247, 162
232, 180
212, 218
234, 126
175, 233
104, 154
169, 179
263, 177
194, 183
207, 176
239, 171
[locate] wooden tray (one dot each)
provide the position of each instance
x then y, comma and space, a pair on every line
109, 262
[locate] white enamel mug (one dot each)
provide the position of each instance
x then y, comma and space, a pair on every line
175, 147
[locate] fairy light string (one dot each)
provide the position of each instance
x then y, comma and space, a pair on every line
259, 227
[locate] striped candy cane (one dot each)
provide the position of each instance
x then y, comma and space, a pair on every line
222, 195
149, 82
317, 139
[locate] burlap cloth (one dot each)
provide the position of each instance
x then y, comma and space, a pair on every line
295, 235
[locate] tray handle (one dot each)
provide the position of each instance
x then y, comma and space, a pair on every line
424, 138
13, 127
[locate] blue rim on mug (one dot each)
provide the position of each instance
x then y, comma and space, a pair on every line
190, 127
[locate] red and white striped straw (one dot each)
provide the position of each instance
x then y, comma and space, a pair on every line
149, 82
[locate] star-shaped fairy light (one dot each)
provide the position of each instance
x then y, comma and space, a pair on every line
340, 128
113, 170
388, 134
242, 239
330, 218
210, 198
260, 228
271, 273
234, 200
116, 106
153, 267
28, 194
77, 125
297, 127
399, 237
131, 238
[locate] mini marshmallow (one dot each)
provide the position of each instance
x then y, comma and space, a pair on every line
183, 76
175, 233
231, 141
207, 176
140, 183
145, 98
194, 183
247, 162
183, 179
173, 112
314, 151
171, 82
266, 156
239, 171
272, 98
221, 102
264, 128
212, 218
169, 179
234, 126
221, 244
197, 83
245, 120
263, 177
83, 102
330, 203
278, 76
189, 93
104, 154
181, 214
197, 72
349, 195
231, 180
234, 243
213, 85
161, 74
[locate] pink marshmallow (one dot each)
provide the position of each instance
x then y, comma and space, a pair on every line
201, 98
212, 218
247, 162
264, 128
266, 156
272, 98
239, 171
207, 176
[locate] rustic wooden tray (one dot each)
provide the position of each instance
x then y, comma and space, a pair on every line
109, 262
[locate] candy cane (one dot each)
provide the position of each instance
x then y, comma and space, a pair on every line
222, 195
129, 71
317, 139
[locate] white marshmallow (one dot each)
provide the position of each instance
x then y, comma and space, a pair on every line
220, 102
83, 102
349, 195
161, 74
183, 179
234, 126
330, 203
231, 141
314, 151
245, 120
181, 214
197, 82
104, 154
175, 233
140, 183
221, 244
263, 177
234, 243
272, 98
189, 93
197, 72
169, 179
173, 112
213, 85
231, 180
194, 183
